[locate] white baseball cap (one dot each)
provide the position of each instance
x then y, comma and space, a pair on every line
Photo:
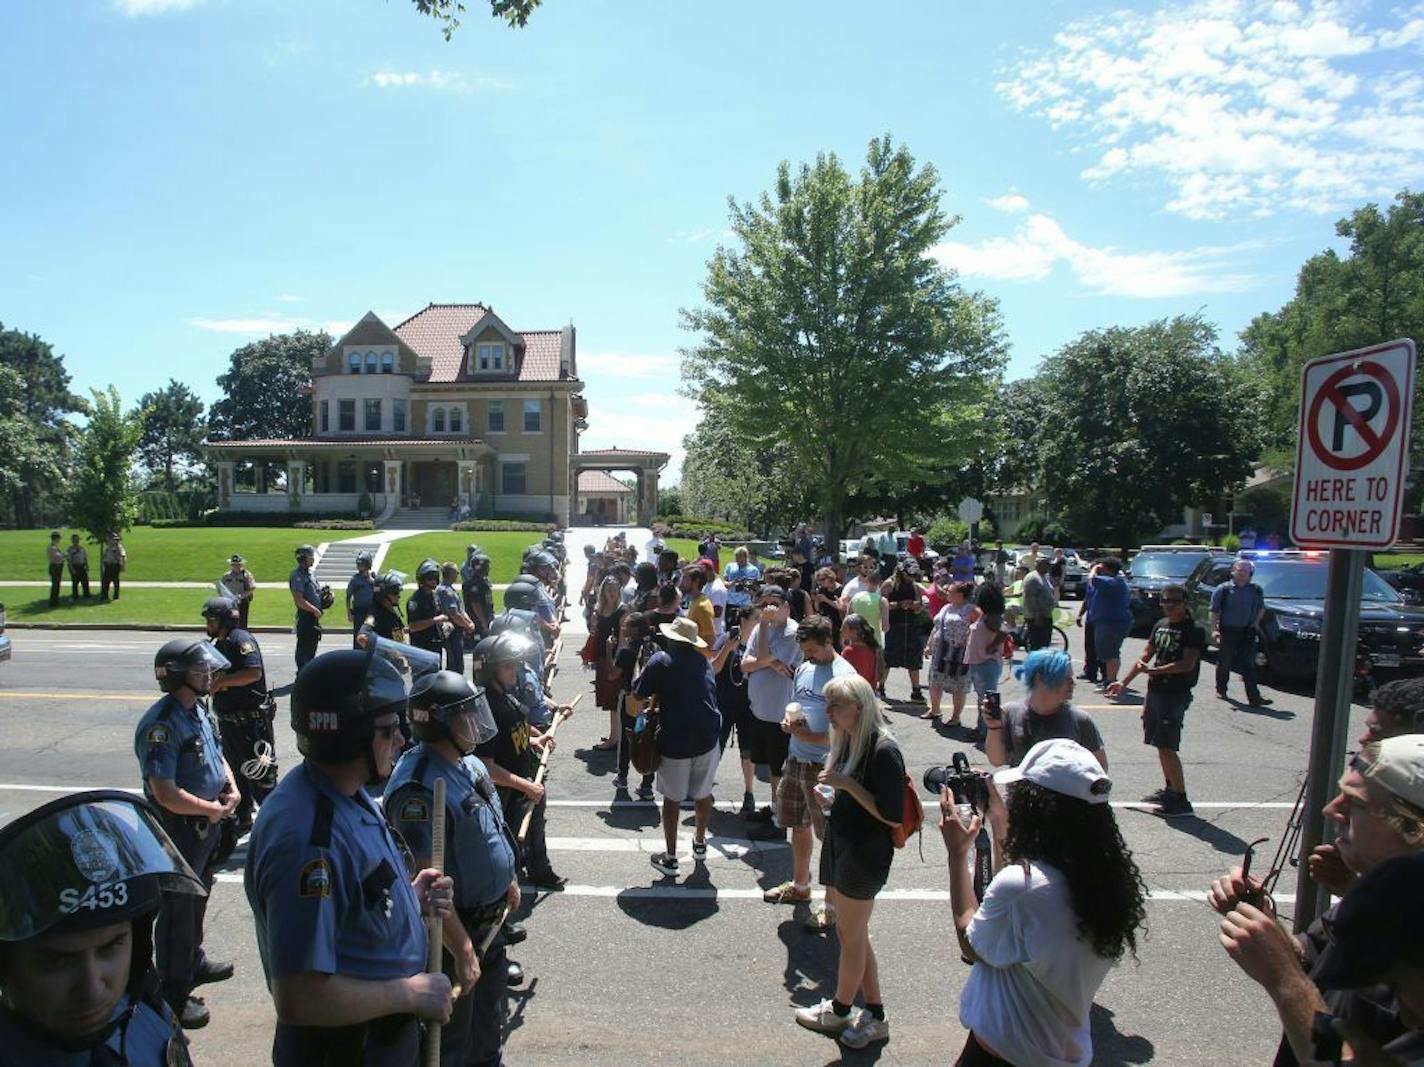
1399, 767
1063, 766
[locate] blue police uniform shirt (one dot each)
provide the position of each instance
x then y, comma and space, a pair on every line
360, 592
146, 1038
329, 886
478, 853
448, 600
544, 605
181, 745
529, 691
301, 581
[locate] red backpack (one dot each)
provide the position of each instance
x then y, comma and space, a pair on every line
912, 819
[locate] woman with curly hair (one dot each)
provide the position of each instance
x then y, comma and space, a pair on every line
1065, 904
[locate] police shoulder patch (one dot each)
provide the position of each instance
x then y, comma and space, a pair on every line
175, 1053
157, 735
413, 809
315, 879
247, 647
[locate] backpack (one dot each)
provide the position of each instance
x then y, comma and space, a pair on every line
911, 821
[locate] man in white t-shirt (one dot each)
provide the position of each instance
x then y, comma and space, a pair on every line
716, 591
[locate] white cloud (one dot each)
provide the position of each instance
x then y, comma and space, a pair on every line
139, 8
697, 237
448, 81
291, 298
1010, 203
267, 322
1238, 106
1039, 245
629, 365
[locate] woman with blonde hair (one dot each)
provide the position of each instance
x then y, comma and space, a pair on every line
867, 773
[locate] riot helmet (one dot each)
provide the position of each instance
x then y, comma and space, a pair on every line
480, 564
508, 647
521, 595
188, 661
389, 584
222, 610
306, 551
446, 706
481, 650
428, 568
473, 550
365, 557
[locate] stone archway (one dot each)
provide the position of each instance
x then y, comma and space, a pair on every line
645, 467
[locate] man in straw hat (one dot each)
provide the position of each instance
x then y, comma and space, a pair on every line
690, 727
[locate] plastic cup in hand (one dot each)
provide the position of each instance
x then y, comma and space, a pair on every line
827, 793
795, 714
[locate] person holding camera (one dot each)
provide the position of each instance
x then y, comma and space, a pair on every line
741, 579
1047, 713
1063, 873
862, 787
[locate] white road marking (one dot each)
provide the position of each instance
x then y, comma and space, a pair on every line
728, 847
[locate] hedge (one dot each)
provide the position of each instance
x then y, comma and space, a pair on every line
505, 524
276, 518
337, 524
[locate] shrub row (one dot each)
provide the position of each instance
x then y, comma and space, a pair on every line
505, 524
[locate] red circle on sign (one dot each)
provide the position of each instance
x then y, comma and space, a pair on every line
1376, 443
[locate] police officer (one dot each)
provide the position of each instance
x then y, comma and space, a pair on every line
512, 755
386, 618
360, 594
425, 622
449, 718
244, 708
180, 756
306, 595
76, 961
462, 627
545, 571
240, 583
477, 591
336, 903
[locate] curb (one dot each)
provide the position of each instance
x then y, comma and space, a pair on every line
154, 626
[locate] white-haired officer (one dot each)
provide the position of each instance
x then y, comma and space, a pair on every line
185, 774
334, 894
80, 884
449, 717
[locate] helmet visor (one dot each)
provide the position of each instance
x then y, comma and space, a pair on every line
471, 722
411, 663
79, 855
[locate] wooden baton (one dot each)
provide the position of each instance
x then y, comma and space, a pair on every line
434, 925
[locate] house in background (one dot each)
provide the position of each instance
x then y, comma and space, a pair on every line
603, 499
450, 409
1012, 509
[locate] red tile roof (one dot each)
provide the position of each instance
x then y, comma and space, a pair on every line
435, 333
600, 482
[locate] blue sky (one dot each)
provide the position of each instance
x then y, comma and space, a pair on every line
184, 176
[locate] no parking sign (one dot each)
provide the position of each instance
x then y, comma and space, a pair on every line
1353, 448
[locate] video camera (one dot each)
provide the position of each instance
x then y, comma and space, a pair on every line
966, 784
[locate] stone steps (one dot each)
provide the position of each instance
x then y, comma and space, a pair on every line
418, 519
338, 562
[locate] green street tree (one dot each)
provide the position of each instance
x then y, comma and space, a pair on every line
725, 477
170, 444
103, 495
1138, 423
33, 472
835, 340
264, 389
447, 12
1373, 294
26, 458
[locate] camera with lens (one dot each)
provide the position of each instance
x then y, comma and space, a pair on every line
732, 616
966, 784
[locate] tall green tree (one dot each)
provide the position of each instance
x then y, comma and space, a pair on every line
1138, 423
27, 459
1372, 294
265, 388
834, 339
171, 442
40, 396
103, 495
727, 477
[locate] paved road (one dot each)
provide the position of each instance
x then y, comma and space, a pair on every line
625, 969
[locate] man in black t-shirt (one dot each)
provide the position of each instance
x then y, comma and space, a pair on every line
1172, 663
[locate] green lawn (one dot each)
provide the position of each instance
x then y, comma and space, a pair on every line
1390, 560
504, 548
195, 554
271, 607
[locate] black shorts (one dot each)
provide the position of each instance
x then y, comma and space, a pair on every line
745, 730
1162, 717
849, 872
768, 744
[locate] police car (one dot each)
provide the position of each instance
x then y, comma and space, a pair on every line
4, 641
1391, 630
1154, 567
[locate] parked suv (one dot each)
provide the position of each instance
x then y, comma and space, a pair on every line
1157, 566
1391, 630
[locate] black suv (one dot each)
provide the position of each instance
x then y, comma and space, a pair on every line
1391, 631
1152, 568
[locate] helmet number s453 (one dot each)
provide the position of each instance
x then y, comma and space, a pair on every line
94, 898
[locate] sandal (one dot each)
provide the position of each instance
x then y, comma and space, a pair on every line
949, 724
930, 714
821, 920
787, 893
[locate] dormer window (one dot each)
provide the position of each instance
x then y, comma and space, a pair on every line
489, 356
388, 363
370, 363
353, 363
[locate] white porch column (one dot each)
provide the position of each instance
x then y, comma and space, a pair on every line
296, 482
226, 470
393, 479
468, 481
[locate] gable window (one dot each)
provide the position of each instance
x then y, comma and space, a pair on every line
490, 355
496, 416
398, 416
437, 420
353, 363
346, 416
457, 420
325, 407
370, 363
513, 477
531, 416
373, 415
388, 363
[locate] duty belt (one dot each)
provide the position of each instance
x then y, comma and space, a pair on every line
257, 713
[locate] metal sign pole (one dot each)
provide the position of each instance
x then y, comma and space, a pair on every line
1334, 686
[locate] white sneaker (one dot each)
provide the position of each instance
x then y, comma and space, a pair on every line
823, 1019
867, 1029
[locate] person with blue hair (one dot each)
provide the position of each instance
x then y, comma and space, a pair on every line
1047, 712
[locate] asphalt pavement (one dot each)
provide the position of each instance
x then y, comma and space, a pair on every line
626, 967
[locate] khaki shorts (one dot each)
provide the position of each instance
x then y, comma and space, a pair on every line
796, 803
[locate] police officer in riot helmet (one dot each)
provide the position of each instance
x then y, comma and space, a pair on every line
306, 596
424, 620
450, 717
244, 708
360, 593
80, 884
335, 897
187, 778
477, 591
386, 618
